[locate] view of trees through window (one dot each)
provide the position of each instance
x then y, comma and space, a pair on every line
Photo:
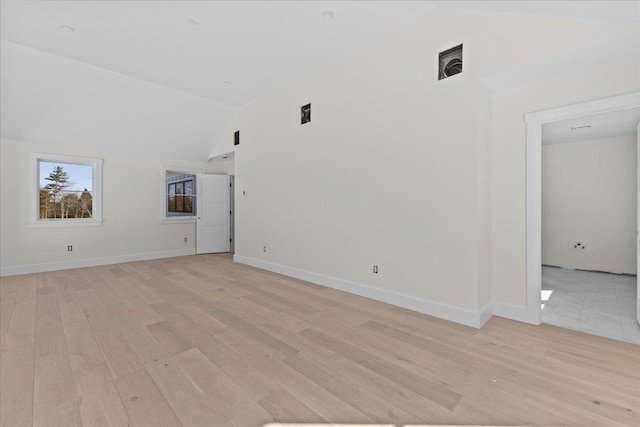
180, 195
65, 191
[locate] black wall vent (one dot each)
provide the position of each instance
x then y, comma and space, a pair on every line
305, 114
450, 62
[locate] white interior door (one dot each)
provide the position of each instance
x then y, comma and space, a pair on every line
213, 223
638, 226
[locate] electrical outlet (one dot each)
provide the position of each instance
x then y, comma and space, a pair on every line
186, 239
375, 269
70, 248
264, 249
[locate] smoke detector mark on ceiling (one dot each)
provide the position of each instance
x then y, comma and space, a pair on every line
327, 14
450, 62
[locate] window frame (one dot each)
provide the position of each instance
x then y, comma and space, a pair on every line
178, 219
179, 184
34, 191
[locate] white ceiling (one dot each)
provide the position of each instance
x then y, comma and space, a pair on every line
603, 125
137, 75
610, 10
256, 45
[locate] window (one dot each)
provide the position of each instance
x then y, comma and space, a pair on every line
181, 195
65, 190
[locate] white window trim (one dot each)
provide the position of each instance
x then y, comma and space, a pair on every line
164, 219
34, 191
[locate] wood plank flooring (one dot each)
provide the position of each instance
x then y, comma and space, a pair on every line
202, 341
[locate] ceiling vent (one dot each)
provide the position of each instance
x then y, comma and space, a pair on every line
450, 62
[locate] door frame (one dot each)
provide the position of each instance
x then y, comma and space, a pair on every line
534, 122
638, 222
232, 208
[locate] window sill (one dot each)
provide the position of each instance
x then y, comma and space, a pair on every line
61, 223
179, 220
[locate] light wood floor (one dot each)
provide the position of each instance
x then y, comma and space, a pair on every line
201, 341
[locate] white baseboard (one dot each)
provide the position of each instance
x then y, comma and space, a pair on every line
443, 311
485, 314
513, 312
91, 262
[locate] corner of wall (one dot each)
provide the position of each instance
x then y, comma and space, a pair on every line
484, 199
224, 143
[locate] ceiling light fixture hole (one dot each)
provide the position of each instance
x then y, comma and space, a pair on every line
327, 14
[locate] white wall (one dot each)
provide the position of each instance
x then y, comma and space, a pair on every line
132, 209
589, 196
395, 168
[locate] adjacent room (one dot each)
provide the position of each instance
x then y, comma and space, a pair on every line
589, 223
319, 213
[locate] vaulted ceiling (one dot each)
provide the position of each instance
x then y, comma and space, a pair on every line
164, 78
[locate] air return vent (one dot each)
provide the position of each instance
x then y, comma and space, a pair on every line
305, 114
450, 62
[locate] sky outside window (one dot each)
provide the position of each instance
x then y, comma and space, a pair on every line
80, 176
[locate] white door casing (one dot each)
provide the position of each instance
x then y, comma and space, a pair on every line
638, 225
213, 221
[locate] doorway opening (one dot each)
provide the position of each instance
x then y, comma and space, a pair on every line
215, 225
589, 222
536, 122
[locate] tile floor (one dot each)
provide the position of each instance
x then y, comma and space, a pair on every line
596, 303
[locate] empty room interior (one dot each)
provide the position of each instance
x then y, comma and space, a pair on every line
589, 199
319, 213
